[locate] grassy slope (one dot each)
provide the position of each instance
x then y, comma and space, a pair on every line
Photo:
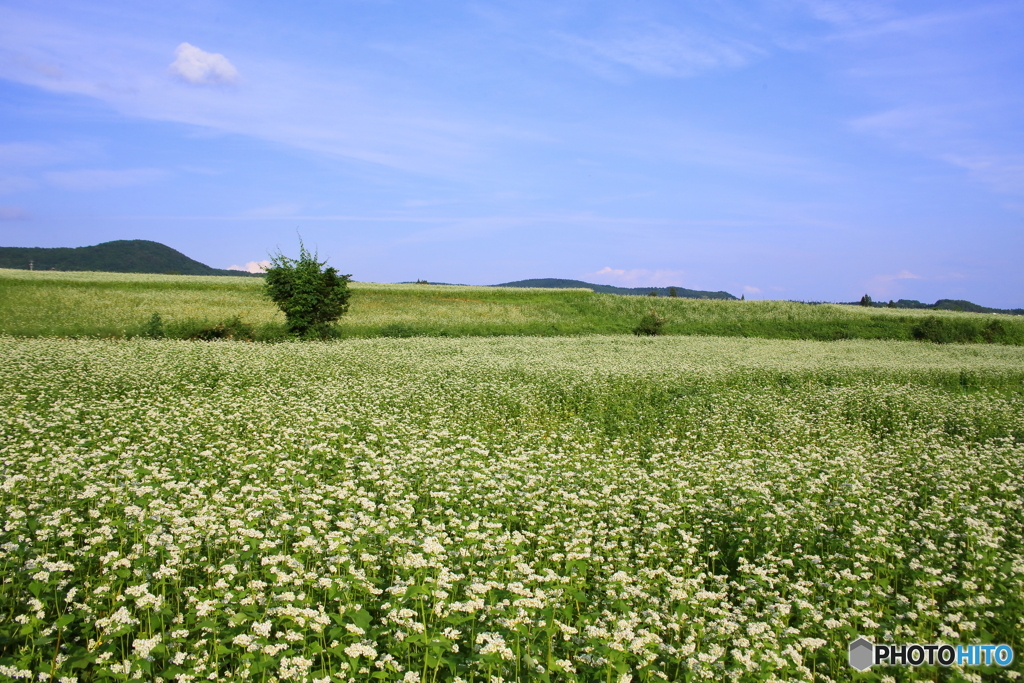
108, 304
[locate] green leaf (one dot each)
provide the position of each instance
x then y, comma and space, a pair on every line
362, 619
81, 661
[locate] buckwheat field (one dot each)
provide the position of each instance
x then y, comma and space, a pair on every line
505, 509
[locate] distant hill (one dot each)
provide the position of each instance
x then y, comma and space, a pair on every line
944, 305
609, 289
119, 256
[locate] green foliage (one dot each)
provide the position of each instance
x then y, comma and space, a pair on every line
963, 331
154, 327
233, 328
944, 331
651, 324
310, 296
995, 332
866, 300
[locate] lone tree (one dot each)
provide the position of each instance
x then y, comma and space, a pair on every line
866, 301
311, 296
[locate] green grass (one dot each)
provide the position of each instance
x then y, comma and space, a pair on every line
34, 304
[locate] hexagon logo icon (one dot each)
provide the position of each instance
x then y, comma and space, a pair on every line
862, 654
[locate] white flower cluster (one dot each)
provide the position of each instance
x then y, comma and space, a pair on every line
603, 508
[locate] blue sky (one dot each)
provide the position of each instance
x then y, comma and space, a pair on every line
785, 149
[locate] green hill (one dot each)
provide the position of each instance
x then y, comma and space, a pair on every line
959, 305
119, 256
609, 289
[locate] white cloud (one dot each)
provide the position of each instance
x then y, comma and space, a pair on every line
346, 113
902, 275
100, 179
637, 277
748, 289
13, 213
201, 67
252, 266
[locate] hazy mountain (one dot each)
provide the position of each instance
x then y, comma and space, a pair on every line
119, 256
943, 305
609, 289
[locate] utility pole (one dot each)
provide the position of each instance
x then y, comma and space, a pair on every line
30, 265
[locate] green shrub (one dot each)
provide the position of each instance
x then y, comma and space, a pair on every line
310, 296
154, 327
994, 332
232, 328
651, 324
946, 330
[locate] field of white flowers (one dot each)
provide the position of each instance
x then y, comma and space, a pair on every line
510, 509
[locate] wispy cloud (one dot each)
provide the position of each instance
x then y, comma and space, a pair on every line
945, 133
902, 275
891, 285
26, 154
655, 50
102, 179
1002, 172
637, 277
943, 75
13, 213
202, 68
341, 113
847, 13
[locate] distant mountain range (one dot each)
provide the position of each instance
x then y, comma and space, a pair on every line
144, 256
119, 256
609, 289
942, 305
